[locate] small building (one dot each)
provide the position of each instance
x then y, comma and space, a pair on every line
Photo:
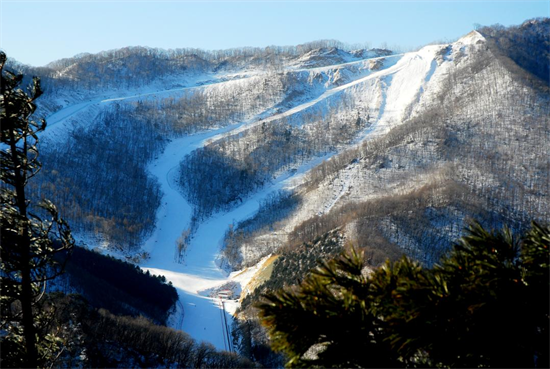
225, 294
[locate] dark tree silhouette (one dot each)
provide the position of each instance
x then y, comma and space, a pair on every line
31, 235
485, 304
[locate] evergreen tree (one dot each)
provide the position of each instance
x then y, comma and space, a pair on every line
485, 304
327, 321
30, 234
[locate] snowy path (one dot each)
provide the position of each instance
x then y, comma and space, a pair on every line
391, 66
199, 271
59, 121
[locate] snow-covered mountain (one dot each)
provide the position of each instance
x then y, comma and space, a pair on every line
215, 169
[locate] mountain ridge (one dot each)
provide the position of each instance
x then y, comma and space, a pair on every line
412, 147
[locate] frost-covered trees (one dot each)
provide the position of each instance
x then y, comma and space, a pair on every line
99, 177
32, 233
224, 172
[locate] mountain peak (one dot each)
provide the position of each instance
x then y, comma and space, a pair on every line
472, 38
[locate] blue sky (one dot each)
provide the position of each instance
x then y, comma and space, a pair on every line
39, 31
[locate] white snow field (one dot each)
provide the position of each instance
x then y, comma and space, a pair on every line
398, 89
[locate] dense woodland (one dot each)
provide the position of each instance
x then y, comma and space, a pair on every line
117, 286
526, 45
101, 185
97, 338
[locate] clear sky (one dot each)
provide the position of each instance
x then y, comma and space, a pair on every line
40, 31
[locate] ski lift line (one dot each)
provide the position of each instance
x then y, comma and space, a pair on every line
226, 326
223, 330
180, 325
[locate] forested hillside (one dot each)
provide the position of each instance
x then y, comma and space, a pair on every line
207, 166
116, 138
475, 149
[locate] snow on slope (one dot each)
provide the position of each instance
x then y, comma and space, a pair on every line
62, 121
396, 90
200, 270
399, 92
403, 80
390, 63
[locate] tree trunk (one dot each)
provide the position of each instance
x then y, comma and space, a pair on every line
25, 257
28, 319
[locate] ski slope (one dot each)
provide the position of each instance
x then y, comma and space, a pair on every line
200, 270
402, 82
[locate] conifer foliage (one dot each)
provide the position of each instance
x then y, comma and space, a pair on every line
31, 233
484, 304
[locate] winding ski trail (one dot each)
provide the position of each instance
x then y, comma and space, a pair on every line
199, 270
